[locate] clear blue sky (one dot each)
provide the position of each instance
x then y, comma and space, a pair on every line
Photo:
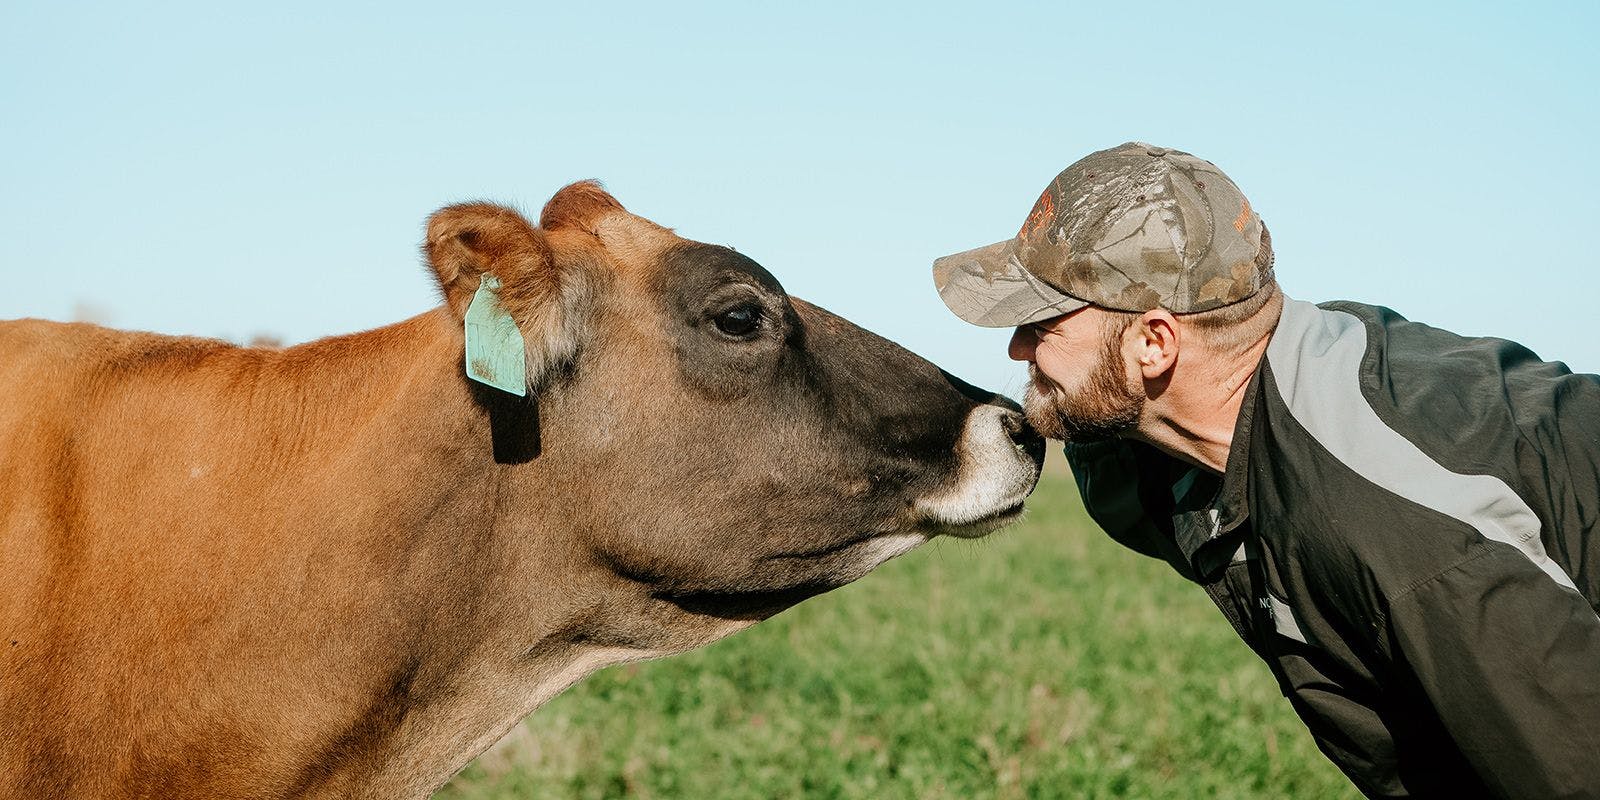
191, 169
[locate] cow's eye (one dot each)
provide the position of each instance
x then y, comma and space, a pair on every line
739, 321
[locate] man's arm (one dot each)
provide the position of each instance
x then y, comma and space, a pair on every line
1511, 662
1108, 480
1110, 477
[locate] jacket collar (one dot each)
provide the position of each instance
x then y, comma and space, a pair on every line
1207, 510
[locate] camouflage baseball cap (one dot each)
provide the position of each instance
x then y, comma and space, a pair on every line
1131, 228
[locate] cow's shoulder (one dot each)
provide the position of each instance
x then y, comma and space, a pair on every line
57, 356
64, 379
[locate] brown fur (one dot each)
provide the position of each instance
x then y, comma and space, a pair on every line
579, 206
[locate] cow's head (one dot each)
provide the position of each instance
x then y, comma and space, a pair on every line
722, 448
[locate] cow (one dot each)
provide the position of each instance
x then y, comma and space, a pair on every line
345, 568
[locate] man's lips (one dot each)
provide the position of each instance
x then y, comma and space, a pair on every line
1041, 384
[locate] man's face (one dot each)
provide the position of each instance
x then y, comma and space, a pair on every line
1079, 389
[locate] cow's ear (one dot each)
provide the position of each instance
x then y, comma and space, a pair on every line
548, 299
467, 240
580, 206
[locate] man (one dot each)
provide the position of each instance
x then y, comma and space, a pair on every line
1398, 520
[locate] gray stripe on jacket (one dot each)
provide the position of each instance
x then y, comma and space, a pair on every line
1326, 399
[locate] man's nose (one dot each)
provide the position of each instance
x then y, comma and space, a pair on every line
1023, 343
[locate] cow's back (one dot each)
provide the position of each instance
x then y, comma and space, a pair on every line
80, 414
81, 410
166, 505
56, 423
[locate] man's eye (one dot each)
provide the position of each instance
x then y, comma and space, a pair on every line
739, 321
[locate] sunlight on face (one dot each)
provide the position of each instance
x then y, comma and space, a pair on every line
1079, 389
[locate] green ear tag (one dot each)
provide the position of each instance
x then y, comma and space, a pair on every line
496, 354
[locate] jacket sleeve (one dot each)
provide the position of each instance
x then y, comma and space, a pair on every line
1510, 660
1112, 482
1108, 478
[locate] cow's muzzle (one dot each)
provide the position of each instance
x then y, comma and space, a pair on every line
999, 458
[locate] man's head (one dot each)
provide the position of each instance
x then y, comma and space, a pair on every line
1091, 371
1128, 254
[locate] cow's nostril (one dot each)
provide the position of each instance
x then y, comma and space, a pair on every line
1015, 424
1023, 435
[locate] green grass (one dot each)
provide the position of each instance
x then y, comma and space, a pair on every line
1043, 662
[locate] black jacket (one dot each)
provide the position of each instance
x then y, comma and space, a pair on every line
1405, 533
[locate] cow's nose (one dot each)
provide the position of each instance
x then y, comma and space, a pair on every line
1023, 435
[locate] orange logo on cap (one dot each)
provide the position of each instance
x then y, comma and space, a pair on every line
1043, 212
1244, 216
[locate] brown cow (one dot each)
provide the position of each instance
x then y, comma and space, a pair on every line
343, 569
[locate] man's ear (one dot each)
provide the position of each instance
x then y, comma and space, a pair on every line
1157, 342
547, 298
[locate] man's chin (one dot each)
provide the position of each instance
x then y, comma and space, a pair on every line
1045, 411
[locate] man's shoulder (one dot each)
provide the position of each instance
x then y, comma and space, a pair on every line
1447, 393
1402, 446
1418, 356
1393, 405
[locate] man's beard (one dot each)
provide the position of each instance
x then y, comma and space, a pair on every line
1104, 408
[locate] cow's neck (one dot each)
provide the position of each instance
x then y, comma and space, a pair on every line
471, 612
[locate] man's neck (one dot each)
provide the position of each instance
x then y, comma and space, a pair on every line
1193, 419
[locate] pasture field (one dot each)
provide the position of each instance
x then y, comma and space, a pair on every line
1043, 662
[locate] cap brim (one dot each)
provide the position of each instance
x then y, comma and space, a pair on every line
987, 286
